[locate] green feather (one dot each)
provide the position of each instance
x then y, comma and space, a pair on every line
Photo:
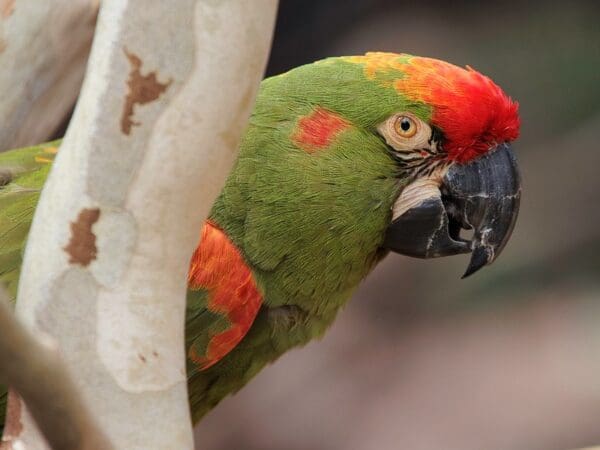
309, 225
23, 173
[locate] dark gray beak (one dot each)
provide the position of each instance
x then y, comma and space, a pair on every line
483, 195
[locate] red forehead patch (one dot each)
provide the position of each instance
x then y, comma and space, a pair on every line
316, 130
471, 110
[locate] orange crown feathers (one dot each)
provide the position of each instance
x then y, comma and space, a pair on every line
471, 110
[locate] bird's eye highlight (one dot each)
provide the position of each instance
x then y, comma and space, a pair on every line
405, 126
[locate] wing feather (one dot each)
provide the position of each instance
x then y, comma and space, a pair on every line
223, 297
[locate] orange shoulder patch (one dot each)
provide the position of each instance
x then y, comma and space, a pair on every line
218, 267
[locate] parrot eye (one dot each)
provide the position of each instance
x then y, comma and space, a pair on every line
406, 133
405, 126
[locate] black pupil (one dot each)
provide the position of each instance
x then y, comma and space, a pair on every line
405, 124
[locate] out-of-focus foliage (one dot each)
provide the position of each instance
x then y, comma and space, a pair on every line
507, 359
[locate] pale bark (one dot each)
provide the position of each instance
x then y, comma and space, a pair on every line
166, 97
37, 373
44, 46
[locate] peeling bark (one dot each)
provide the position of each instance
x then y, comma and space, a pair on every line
13, 426
142, 89
7, 7
82, 245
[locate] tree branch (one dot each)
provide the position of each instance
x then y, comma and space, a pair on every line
44, 47
167, 94
37, 372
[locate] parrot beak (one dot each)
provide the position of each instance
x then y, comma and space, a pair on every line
482, 195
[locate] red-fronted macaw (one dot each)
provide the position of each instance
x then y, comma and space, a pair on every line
343, 160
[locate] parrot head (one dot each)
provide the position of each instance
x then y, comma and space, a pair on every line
352, 157
451, 130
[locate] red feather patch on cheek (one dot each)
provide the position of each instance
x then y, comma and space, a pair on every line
316, 130
218, 267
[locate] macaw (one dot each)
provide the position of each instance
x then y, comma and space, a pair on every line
343, 161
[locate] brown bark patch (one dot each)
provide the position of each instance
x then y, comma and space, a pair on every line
142, 89
13, 425
82, 246
7, 7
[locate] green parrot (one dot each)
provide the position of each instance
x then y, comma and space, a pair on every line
343, 160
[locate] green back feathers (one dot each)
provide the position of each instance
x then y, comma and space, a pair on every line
22, 174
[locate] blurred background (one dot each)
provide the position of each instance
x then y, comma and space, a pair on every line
420, 359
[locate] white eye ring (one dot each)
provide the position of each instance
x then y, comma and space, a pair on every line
405, 132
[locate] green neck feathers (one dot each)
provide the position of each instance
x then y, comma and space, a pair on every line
310, 197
